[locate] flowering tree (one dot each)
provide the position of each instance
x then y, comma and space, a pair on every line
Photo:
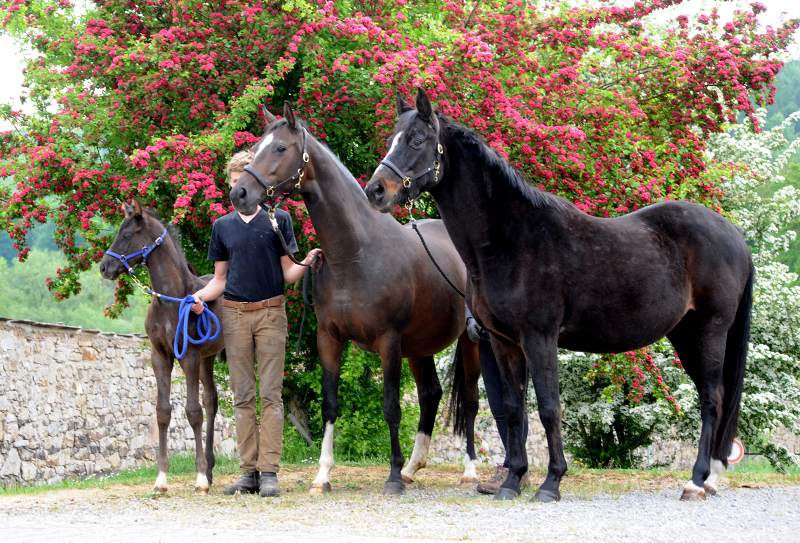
149, 98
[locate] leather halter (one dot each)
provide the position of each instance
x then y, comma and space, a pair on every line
146, 250
408, 179
297, 176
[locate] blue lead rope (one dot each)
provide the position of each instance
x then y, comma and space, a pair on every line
204, 321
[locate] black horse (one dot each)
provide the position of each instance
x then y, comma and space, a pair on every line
376, 287
544, 275
171, 275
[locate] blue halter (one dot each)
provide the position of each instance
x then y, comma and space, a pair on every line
146, 250
204, 319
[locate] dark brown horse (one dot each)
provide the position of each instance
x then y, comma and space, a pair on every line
376, 287
544, 275
170, 275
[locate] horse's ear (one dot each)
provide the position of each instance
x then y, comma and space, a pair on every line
288, 114
424, 107
402, 105
137, 207
267, 115
127, 209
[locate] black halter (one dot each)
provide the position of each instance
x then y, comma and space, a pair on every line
271, 200
408, 179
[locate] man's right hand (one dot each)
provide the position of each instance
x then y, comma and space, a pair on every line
475, 331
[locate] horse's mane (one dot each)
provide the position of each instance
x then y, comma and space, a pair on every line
496, 163
175, 233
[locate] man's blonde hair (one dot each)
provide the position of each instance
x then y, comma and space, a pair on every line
238, 162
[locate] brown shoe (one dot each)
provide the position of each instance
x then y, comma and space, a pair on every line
493, 485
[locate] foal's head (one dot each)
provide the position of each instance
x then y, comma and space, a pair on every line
413, 163
138, 230
278, 161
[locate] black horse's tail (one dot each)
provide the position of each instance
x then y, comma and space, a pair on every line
458, 381
733, 371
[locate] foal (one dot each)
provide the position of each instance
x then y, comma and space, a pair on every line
170, 275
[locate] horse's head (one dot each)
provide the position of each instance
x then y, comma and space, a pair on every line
278, 164
138, 231
413, 163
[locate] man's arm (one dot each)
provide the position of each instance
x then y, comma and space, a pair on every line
214, 288
292, 272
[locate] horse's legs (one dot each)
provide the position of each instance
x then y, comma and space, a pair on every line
330, 353
472, 372
391, 360
701, 353
429, 391
162, 368
542, 355
194, 413
211, 404
514, 378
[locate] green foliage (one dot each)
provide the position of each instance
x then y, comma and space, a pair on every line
787, 100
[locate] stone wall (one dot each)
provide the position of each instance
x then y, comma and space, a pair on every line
75, 403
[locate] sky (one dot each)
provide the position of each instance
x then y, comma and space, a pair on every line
11, 81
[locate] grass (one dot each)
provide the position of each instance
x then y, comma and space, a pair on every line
354, 479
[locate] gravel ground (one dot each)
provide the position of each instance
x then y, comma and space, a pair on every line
361, 513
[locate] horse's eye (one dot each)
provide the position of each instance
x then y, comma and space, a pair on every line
417, 142
127, 235
280, 149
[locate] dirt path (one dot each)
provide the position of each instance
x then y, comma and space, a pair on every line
597, 506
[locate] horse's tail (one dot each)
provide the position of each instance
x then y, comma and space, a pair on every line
458, 382
733, 371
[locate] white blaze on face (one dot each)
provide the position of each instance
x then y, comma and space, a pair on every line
419, 458
394, 144
326, 455
261, 145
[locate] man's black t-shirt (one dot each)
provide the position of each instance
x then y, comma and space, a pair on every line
253, 252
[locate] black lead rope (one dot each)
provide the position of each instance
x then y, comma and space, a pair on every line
449, 282
311, 271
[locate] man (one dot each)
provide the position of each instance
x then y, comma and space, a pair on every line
250, 269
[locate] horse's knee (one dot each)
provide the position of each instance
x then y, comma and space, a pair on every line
194, 415
163, 413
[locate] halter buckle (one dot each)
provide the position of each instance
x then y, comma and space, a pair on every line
305, 158
439, 148
270, 191
407, 182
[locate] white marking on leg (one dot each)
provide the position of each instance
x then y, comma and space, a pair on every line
469, 468
326, 455
717, 471
419, 458
161, 481
263, 143
202, 481
691, 486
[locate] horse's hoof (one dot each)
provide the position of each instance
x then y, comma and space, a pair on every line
318, 489
506, 494
394, 488
406, 478
201, 491
710, 490
468, 481
546, 496
693, 495
159, 490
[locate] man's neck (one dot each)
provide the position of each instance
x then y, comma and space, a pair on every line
248, 218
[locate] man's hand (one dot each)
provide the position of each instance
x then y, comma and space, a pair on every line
310, 256
197, 307
475, 331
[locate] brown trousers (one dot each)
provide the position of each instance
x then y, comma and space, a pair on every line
261, 333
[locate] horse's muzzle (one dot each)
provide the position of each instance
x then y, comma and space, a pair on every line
378, 196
